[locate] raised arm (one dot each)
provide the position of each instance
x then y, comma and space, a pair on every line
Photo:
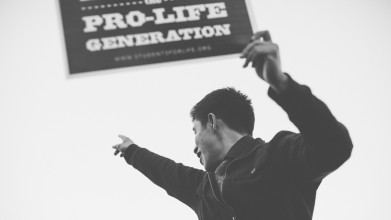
323, 143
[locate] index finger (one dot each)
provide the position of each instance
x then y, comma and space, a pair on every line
123, 137
249, 47
265, 35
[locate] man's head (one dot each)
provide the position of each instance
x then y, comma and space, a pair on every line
220, 115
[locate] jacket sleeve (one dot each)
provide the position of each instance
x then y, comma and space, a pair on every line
323, 144
178, 180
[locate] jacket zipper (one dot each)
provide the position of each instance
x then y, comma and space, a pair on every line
223, 204
222, 184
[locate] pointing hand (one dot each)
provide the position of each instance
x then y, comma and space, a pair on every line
126, 142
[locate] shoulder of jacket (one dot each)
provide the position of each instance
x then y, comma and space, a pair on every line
282, 136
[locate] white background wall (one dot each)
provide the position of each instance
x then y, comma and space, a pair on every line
56, 132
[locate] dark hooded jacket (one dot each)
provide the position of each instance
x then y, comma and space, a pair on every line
263, 181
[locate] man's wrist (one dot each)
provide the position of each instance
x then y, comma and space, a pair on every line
281, 84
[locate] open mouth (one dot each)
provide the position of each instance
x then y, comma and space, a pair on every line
198, 154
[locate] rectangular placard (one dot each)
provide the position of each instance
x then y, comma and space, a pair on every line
107, 34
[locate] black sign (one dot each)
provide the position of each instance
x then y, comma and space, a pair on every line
106, 34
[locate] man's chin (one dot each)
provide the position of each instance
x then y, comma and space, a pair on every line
210, 167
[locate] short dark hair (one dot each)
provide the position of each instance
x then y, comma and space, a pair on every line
229, 105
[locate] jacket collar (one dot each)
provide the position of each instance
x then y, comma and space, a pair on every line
242, 147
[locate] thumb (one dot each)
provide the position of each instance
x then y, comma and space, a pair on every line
265, 35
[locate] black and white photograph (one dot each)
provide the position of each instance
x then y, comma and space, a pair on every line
195, 109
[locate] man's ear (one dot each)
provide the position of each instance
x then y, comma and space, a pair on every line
212, 120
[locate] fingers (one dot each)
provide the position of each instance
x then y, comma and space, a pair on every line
249, 47
265, 35
248, 50
117, 152
258, 52
258, 39
116, 147
121, 148
256, 44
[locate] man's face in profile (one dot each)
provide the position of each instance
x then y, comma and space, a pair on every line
206, 145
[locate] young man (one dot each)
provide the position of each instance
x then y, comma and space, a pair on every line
246, 178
